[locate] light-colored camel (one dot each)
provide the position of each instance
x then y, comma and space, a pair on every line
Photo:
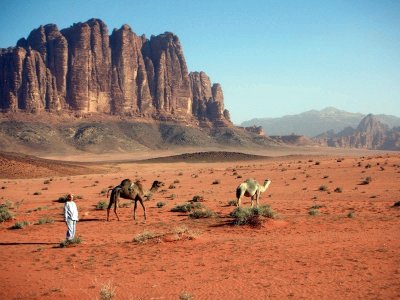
251, 188
133, 191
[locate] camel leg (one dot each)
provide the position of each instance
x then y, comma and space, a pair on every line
257, 197
115, 210
252, 198
144, 208
134, 210
238, 202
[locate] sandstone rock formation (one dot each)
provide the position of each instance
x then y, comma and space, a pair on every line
369, 134
84, 69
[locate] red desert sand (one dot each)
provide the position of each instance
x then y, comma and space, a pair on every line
336, 236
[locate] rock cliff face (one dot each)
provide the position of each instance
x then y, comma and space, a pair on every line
84, 69
369, 134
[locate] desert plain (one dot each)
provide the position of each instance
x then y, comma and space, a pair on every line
336, 234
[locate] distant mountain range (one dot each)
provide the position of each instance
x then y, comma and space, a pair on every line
313, 123
369, 134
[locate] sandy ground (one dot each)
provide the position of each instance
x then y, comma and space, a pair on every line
349, 250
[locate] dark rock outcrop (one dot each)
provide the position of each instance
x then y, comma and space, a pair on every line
82, 69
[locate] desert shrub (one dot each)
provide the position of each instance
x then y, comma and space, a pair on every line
20, 225
5, 214
317, 163
323, 188
172, 196
216, 181
9, 204
37, 193
316, 206
160, 204
338, 190
101, 205
107, 291
103, 191
367, 180
75, 241
350, 214
252, 215
47, 181
232, 202
45, 220
144, 237
187, 207
185, 296
396, 204
201, 213
368, 166
172, 186
197, 198
176, 181
183, 232
313, 212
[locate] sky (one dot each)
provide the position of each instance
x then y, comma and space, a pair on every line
272, 57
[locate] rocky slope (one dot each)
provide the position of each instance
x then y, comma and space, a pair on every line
369, 134
100, 133
83, 69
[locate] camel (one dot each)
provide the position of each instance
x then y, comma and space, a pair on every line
251, 188
133, 191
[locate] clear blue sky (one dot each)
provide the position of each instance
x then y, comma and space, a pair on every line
272, 57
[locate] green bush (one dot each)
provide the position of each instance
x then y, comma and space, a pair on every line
5, 214
313, 212
186, 207
252, 215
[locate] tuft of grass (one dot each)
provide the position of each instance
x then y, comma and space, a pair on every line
185, 296
367, 180
45, 220
313, 212
144, 237
37, 193
160, 204
172, 186
101, 205
197, 198
232, 202
20, 225
75, 241
108, 291
338, 190
323, 188
201, 213
183, 232
216, 181
5, 214
350, 214
252, 215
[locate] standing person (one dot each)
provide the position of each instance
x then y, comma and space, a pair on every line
70, 216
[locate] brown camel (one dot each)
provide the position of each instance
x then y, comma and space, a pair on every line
133, 191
